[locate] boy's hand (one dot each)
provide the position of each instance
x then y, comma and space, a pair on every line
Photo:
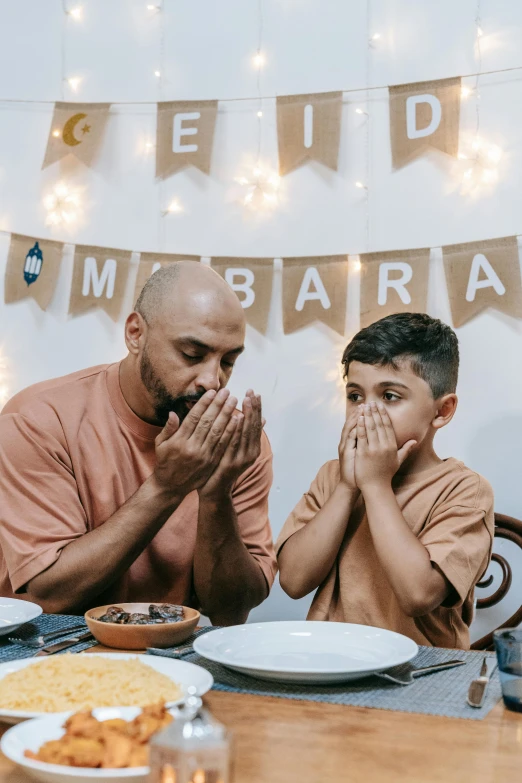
347, 450
377, 457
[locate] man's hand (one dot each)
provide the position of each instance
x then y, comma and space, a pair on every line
187, 454
347, 449
242, 450
377, 457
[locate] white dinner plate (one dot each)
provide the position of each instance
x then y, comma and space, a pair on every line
304, 651
31, 735
183, 673
14, 613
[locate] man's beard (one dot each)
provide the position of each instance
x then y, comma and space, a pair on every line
163, 401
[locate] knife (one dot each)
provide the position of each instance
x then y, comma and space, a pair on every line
478, 687
70, 642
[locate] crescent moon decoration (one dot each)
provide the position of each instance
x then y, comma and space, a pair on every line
68, 130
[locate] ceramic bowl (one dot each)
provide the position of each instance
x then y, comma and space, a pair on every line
138, 637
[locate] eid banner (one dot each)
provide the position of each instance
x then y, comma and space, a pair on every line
151, 262
251, 279
424, 116
184, 136
308, 128
32, 270
76, 129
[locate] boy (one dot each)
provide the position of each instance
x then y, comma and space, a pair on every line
392, 535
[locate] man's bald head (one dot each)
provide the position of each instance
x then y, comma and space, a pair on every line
186, 283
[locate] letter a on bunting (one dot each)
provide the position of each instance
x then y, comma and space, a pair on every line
481, 275
424, 116
314, 289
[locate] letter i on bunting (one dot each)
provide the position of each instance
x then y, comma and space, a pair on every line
184, 136
32, 269
99, 279
314, 289
393, 282
251, 279
424, 116
151, 262
308, 128
78, 129
481, 275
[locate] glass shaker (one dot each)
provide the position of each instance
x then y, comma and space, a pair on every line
194, 748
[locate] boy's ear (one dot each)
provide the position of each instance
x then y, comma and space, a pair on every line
446, 407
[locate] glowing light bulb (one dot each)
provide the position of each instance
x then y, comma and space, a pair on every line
480, 32
375, 37
465, 92
157, 74
173, 207
488, 175
494, 154
258, 60
360, 111
461, 156
76, 13
62, 205
256, 172
259, 113
360, 185
74, 82
357, 265
56, 134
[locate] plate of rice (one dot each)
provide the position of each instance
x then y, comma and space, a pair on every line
32, 688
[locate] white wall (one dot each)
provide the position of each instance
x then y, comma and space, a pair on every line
204, 50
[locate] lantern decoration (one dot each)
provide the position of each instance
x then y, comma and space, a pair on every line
33, 264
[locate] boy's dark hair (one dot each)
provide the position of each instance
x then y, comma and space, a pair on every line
431, 347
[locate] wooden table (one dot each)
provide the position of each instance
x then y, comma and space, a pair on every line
285, 741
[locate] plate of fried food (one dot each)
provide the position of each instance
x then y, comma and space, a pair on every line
95, 746
32, 688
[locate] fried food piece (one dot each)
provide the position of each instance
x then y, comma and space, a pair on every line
117, 750
169, 612
138, 619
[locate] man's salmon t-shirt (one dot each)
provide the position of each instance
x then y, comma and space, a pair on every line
450, 510
72, 453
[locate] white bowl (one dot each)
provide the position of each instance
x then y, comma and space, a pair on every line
31, 735
14, 613
306, 651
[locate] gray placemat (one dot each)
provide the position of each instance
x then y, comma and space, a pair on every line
43, 624
442, 693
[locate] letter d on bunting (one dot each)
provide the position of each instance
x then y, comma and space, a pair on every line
424, 116
99, 279
314, 289
481, 275
393, 282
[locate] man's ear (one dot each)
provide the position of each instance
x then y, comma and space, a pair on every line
135, 332
446, 407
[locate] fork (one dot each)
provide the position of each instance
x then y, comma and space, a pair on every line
42, 639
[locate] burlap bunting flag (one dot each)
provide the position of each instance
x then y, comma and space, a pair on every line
184, 136
424, 116
151, 262
99, 279
32, 269
393, 282
308, 128
481, 275
314, 289
76, 128
251, 279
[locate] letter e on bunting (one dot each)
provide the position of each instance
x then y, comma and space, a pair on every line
184, 136
308, 128
424, 116
251, 279
393, 282
99, 279
314, 289
32, 269
481, 275
78, 129
151, 262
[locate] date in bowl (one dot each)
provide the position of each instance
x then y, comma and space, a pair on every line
134, 633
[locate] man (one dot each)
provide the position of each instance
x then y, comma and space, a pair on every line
141, 481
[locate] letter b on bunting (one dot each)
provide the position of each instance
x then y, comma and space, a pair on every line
314, 289
251, 279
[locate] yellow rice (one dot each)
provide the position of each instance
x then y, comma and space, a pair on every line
77, 682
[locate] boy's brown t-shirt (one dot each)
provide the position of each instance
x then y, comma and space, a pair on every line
72, 453
450, 510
